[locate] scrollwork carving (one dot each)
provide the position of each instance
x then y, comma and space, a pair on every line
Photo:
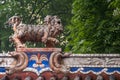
20, 62
56, 62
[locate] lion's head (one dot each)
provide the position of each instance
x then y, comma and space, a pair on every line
14, 20
56, 26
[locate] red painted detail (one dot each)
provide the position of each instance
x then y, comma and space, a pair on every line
49, 74
38, 49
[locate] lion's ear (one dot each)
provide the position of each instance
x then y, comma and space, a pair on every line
47, 19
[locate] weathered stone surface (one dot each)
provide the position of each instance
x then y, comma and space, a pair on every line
92, 60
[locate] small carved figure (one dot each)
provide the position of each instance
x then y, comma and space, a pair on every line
45, 33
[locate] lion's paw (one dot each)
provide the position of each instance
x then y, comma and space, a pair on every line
44, 39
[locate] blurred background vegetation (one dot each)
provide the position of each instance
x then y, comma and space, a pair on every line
90, 26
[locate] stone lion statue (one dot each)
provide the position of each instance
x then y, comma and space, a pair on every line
46, 33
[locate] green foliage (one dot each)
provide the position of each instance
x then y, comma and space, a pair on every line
95, 26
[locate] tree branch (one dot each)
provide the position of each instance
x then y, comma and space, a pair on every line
40, 10
61, 12
33, 11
